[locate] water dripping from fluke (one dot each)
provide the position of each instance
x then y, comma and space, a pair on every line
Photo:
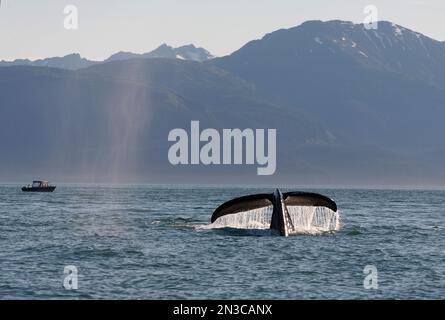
285, 214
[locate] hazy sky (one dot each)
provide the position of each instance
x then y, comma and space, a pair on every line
35, 29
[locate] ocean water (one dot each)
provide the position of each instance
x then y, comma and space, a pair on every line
152, 242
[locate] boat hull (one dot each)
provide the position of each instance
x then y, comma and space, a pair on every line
38, 189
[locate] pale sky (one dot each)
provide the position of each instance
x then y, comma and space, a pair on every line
35, 29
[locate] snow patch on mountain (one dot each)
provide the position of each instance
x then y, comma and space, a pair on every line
397, 30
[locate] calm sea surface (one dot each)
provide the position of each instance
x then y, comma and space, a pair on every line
147, 242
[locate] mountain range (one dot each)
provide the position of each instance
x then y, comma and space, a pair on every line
75, 61
351, 106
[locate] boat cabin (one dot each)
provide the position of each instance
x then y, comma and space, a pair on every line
40, 184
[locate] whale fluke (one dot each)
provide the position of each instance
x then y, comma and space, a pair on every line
241, 204
281, 220
308, 199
